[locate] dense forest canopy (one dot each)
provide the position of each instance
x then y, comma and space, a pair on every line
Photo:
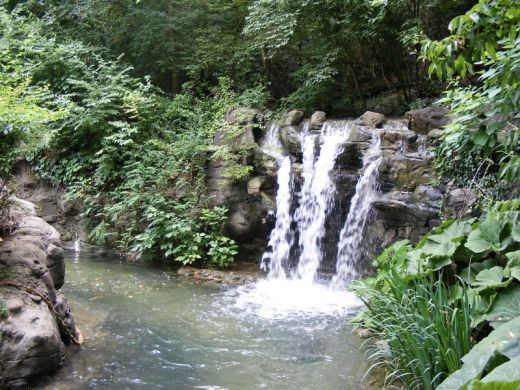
315, 54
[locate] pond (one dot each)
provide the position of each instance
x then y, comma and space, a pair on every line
147, 329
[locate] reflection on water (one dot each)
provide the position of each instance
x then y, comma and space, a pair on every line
145, 329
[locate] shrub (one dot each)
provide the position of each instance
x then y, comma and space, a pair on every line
427, 329
462, 279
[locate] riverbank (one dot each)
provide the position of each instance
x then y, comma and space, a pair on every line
37, 321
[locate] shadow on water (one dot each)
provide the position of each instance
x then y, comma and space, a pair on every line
146, 329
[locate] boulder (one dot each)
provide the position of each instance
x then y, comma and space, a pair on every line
32, 344
293, 118
254, 185
244, 221
399, 172
426, 119
317, 119
371, 119
242, 116
435, 134
56, 265
292, 139
459, 202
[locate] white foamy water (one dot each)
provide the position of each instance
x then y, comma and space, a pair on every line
278, 299
282, 237
317, 195
272, 145
351, 236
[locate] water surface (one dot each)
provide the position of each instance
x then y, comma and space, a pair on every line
147, 329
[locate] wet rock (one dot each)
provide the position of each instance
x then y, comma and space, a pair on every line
459, 202
217, 276
292, 139
397, 140
317, 119
293, 118
403, 173
371, 119
424, 120
56, 265
31, 342
435, 134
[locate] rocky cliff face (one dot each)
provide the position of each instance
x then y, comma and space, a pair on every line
38, 321
407, 206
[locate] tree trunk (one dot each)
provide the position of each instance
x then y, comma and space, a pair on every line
175, 84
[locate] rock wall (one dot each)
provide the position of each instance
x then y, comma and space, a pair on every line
407, 207
39, 320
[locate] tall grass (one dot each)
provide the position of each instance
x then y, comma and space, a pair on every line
426, 328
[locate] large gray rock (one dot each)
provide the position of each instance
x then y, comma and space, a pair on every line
242, 116
32, 344
459, 202
292, 139
293, 118
371, 119
49, 204
426, 119
317, 119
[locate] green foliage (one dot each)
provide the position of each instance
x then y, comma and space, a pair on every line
476, 262
315, 54
4, 311
133, 158
427, 332
493, 360
484, 44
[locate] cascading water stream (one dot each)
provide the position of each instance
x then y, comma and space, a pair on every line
316, 196
282, 238
351, 236
272, 146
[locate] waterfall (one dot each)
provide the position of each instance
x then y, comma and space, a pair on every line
316, 196
351, 236
315, 199
77, 245
281, 239
271, 145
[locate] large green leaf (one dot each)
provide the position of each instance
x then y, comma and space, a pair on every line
480, 305
507, 372
515, 273
439, 248
515, 233
478, 385
491, 278
513, 259
503, 341
493, 234
469, 274
506, 307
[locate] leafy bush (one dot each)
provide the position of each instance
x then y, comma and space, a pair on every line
426, 332
134, 158
484, 47
468, 272
492, 364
